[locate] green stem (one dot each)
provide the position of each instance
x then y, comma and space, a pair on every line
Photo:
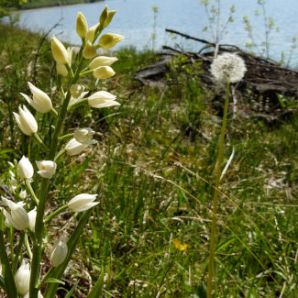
55, 213
54, 111
67, 136
30, 189
39, 140
60, 153
10, 286
39, 226
18, 252
216, 194
28, 246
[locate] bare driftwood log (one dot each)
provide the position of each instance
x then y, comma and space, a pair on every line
263, 76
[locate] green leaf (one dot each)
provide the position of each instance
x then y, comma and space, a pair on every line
52, 280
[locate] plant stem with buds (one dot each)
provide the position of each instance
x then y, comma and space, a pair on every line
39, 226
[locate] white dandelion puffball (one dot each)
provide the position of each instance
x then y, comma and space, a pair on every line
228, 68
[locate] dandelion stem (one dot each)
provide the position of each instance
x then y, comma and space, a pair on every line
216, 194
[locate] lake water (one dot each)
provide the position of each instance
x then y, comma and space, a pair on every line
135, 21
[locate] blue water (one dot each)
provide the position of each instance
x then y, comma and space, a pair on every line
135, 21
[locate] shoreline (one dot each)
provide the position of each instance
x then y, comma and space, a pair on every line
50, 5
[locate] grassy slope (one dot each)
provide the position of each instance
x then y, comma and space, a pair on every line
152, 168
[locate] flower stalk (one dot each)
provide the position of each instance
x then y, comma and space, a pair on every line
39, 230
216, 193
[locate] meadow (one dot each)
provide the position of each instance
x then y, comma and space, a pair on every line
152, 170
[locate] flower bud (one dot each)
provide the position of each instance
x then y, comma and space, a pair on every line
89, 51
102, 61
84, 135
41, 102
102, 99
91, 33
26, 121
106, 17
22, 278
73, 147
47, 168
109, 40
25, 169
59, 253
82, 202
61, 70
23, 194
103, 72
17, 216
59, 52
82, 25
32, 219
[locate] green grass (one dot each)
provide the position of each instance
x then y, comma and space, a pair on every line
151, 169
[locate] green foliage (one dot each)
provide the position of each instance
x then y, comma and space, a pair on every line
152, 176
6, 4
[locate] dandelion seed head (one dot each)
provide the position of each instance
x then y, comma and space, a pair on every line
228, 67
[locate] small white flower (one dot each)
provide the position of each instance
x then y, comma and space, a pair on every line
102, 61
228, 67
82, 202
25, 169
23, 194
109, 40
32, 219
26, 121
17, 217
103, 72
102, 99
47, 168
59, 51
59, 253
22, 278
84, 135
89, 50
73, 147
40, 101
